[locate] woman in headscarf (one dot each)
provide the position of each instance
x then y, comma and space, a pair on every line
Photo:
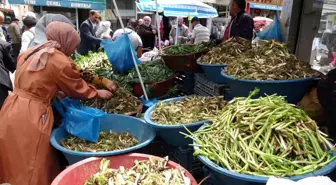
26, 119
40, 37
40, 28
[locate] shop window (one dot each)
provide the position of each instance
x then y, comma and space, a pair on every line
324, 44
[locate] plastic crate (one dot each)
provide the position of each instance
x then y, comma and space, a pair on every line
158, 148
186, 82
205, 87
211, 180
184, 157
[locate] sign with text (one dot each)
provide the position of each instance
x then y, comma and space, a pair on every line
265, 6
87, 4
268, 2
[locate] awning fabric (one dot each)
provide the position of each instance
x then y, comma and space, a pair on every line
84, 4
265, 6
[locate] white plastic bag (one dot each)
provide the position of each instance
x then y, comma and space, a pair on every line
320, 180
148, 56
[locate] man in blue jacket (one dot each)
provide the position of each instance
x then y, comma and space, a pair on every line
89, 41
241, 24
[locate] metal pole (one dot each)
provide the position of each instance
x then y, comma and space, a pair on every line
136, 11
158, 24
77, 21
135, 64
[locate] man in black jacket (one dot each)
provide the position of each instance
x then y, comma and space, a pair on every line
241, 24
89, 41
7, 64
147, 33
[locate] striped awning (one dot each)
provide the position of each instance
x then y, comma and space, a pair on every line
179, 8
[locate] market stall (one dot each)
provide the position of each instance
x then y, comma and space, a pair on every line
233, 118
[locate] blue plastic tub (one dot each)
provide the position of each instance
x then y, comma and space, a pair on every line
294, 90
227, 177
213, 71
119, 123
171, 133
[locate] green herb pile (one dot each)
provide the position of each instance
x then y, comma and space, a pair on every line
227, 51
151, 71
96, 63
122, 102
264, 137
189, 110
106, 142
145, 172
188, 49
271, 60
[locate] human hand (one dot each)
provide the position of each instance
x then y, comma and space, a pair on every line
104, 94
179, 37
107, 37
111, 86
154, 32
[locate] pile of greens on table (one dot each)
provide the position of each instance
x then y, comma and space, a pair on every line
122, 102
188, 49
271, 60
264, 137
151, 71
144, 172
188, 110
97, 63
107, 141
227, 51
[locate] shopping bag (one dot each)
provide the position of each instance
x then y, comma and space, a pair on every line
119, 53
78, 120
273, 31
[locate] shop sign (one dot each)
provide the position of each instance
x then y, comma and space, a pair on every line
265, 6
268, 2
87, 4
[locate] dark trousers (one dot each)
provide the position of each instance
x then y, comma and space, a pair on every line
3, 94
16, 50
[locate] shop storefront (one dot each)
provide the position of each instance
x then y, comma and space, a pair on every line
75, 10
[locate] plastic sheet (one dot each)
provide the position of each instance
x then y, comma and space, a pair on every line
119, 53
80, 121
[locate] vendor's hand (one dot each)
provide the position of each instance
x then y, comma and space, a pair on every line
111, 86
60, 95
104, 94
107, 37
154, 32
179, 37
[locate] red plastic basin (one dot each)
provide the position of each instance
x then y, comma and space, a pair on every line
79, 172
158, 88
